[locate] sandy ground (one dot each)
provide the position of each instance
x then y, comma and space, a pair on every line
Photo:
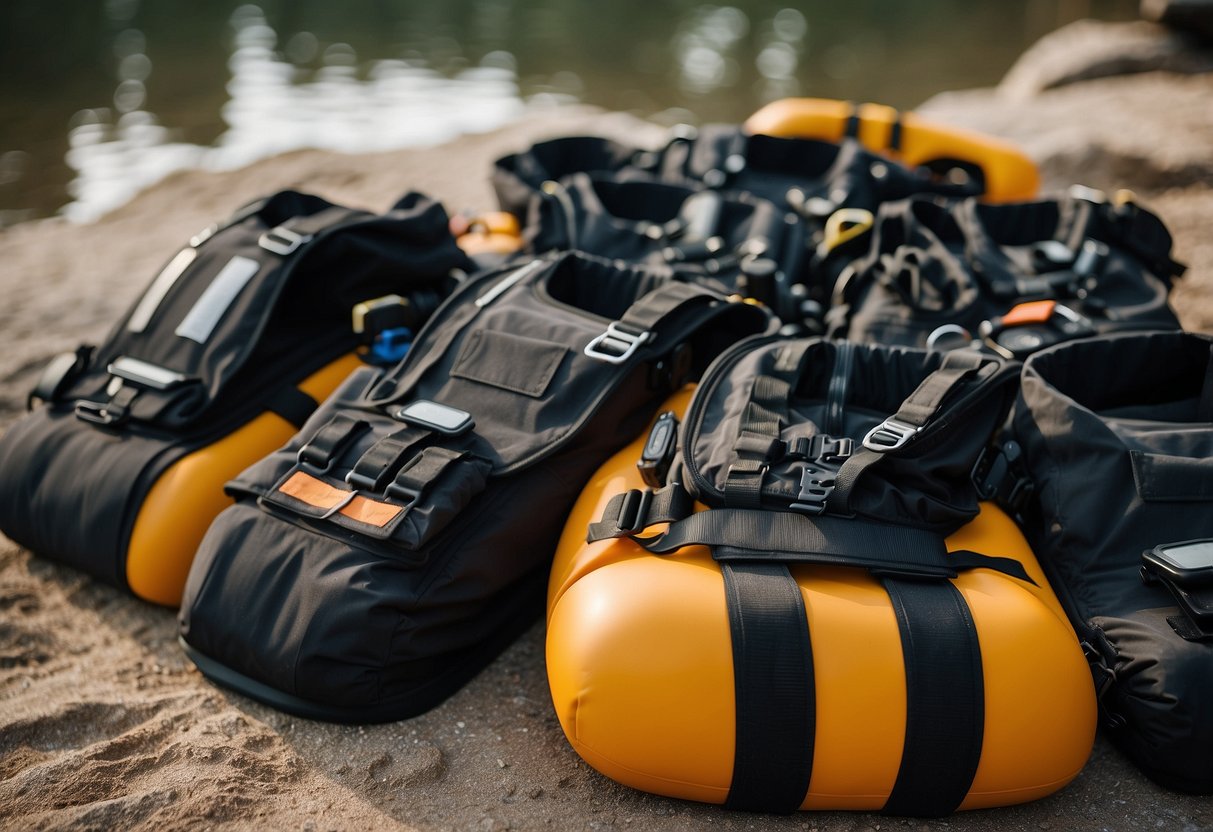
105, 725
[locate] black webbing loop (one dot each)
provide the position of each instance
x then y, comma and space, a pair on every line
774, 688
851, 128
292, 404
633, 511
421, 471
927, 399
895, 131
653, 307
333, 438
757, 441
376, 467
738, 535
945, 698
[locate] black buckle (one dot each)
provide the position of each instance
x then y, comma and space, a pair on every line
634, 511
819, 448
995, 478
816, 486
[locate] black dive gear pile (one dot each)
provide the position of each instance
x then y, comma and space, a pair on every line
946, 274
225, 332
1113, 446
800, 183
403, 537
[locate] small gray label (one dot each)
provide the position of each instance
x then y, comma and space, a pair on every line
204, 317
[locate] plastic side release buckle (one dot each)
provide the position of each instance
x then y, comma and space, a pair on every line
890, 435
998, 475
816, 486
282, 240
616, 345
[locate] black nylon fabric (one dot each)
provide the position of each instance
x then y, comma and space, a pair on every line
1122, 461
925, 484
803, 180
290, 319
640, 221
355, 621
932, 264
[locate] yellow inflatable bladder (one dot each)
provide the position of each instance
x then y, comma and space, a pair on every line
640, 666
1008, 174
189, 494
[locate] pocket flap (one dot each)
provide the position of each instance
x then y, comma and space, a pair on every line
508, 361
1163, 478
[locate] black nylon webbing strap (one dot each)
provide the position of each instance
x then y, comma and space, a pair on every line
774, 688
851, 128
631, 511
737, 535
916, 411
761, 424
331, 440
382, 460
895, 131
292, 404
422, 470
945, 698
757, 535
313, 224
927, 399
650, 309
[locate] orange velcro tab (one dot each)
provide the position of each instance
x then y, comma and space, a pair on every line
1034, 312
307, 489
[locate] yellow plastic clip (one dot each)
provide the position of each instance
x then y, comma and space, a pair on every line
845, 225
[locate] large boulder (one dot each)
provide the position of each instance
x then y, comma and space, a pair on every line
1195, 16
1090, 49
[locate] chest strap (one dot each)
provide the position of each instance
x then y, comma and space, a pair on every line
744, 535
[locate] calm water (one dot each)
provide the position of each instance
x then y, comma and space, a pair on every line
99, 98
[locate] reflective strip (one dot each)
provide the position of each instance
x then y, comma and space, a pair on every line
155, 293
319, 494
204, 317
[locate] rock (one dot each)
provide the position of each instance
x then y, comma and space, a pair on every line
1089, 49
1146, 132
1195, 16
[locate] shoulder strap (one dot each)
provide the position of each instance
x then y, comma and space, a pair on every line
915, 413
